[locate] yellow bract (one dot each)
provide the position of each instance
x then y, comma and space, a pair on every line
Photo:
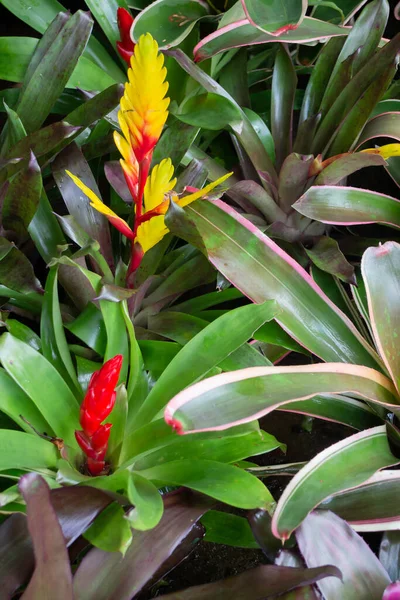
385, 151
160, 181
144, 106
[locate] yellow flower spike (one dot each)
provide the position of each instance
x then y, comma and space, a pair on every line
129, 164
386, 151
144, 105
98, 205
158, 184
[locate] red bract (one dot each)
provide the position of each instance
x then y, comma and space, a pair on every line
125, 47
96, 406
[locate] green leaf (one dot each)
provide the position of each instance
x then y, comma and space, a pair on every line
284, 83
348, 206
13, 130
105, 13
262, 271
15, 403
195, 359
89, 327
381, 274
16, 272
242, 396
148, 505
54, 343
43, 384
262, 131
168, 21
242, 33
110, 531
51, 74
343, 465
227, 529
346, 165
19, 450
118, 418
23, 333
42, 16
209, 111
223, 482
277, 16
22, 199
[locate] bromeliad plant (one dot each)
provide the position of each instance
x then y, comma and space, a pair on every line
142, 115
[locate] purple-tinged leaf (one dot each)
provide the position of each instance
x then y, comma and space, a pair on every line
380, 269
262, 270
324, 536
292, 179
16, 554
277, 17
242, 33
76, 508
41, 142
115, 177
326, 255
22, 199
340, 467
266, 581
52, 577
389, 553
102, 575
242, 396
346, 165
348, 206
16, 272
260, 523
372, 506
392, 592
94, 223
384, 125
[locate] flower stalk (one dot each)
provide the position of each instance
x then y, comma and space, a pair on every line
96, 407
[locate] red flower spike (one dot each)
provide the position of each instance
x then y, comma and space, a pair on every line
96, 407
125, 47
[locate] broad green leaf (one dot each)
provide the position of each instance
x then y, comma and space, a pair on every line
346, 165
41, 17
21, 450
242, 33
147, 501
208, 111
207, 300
324, 537
22, 199
222, 482
51, 74
23, 333
224, 449
276, 17
89, 327
54, 344
371, 506
105, 13
231, 530
381, 274
284, 82
385, 125
195, 359
242, 396
348, 206
15, 55
110, 530
43, 384
13, 130
262, 270
157, 355
343, 465
168, 21
16, 404
262, 131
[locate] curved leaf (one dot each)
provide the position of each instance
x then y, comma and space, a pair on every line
43, 384
348, 206
275, 17
242, 396
19, 450
284, 83
262, 270
242, 33
384, 125
168, 21
381, 274
342, 466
